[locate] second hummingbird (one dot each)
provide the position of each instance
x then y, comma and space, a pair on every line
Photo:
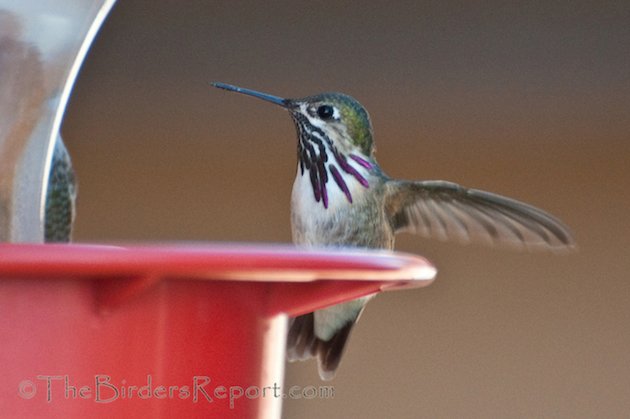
342, 198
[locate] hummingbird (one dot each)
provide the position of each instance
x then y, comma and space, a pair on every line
61, 195
342, 198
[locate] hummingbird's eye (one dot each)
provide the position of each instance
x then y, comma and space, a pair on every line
325, 112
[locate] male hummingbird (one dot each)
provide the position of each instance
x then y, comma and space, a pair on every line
342, 198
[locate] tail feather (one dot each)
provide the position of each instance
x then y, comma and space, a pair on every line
329, 352
301, 341
302, 344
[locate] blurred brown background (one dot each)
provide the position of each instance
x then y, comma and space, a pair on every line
531, 101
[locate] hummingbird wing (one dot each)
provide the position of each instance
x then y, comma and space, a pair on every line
446, 210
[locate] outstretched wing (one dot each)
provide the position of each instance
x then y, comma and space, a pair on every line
446, 210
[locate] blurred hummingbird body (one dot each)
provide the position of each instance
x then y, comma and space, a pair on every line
60, 196
341, 198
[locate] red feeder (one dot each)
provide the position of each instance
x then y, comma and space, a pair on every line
179, 331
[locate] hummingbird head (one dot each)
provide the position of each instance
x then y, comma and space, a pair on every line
334, 138
340, 118
343, 120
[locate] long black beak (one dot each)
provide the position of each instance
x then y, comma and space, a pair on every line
264, 96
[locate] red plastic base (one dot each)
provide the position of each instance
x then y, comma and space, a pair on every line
103, 331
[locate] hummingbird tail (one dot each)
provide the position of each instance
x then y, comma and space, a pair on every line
303, 344
301, 338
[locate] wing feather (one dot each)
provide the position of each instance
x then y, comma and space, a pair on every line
446, 210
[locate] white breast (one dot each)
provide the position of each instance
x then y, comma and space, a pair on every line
310, 219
